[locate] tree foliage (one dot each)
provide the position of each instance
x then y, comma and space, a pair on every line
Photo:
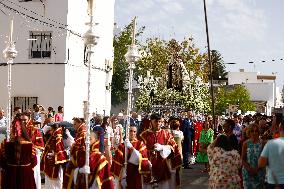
157, 54
239, 95
218, 69
120, 66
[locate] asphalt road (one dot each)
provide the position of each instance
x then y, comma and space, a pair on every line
192, 178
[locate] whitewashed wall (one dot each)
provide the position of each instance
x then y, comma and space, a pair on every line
242, 77
43, 81
68, 85
22, 26
262, 92
76, 71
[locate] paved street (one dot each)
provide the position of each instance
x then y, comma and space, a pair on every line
194, 178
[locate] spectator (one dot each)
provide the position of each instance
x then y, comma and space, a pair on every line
272, 157
50, 112
59, 116
238, 128
187, 129
3, 119
97, 128
17, 111
134, 119
36, 117
225, 163
228, 130
108, 138
177, 134
206, 138
253, 177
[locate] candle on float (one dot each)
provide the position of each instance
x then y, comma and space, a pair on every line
148, 74
11, 30
133, 31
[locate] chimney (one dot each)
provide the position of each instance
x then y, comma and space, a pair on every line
242, 70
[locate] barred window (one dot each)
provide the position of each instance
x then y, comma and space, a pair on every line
40, 44
24, 103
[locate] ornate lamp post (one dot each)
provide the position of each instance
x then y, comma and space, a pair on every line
90, 40
131, 57
10, 54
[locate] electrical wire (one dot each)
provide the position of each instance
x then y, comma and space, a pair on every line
41, 21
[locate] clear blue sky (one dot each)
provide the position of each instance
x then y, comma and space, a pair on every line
241, 30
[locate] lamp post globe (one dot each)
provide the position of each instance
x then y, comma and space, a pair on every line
132, 54
10, 52
90, 37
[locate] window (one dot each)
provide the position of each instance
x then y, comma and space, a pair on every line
86, 55
40, 44
24, 103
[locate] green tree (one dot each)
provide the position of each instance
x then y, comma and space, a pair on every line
219, 69
120, 66
222, 100
239, 95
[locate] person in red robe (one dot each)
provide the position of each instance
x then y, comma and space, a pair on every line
137, 165
53, 158
17, 160
37, 140
77, 152
99, 175
164, 156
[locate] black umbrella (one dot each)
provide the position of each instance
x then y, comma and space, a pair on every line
65, 125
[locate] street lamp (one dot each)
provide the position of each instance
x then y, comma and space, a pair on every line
132, 56
90, 40
210, 66
10, 54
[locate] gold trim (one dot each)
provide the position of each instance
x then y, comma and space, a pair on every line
14, 165
99, 169
63, 161
140, 162
117, 162
39, 147
70, 179
120, 152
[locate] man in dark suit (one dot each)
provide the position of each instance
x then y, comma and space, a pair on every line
188, 132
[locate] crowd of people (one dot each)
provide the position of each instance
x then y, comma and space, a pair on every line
237, 152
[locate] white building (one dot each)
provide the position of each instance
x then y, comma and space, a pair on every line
262, 88
50, 69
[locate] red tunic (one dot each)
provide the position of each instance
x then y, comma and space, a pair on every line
50, 164
18, 161
160, 168
134, 172
99, 171
78, 157
35, 136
